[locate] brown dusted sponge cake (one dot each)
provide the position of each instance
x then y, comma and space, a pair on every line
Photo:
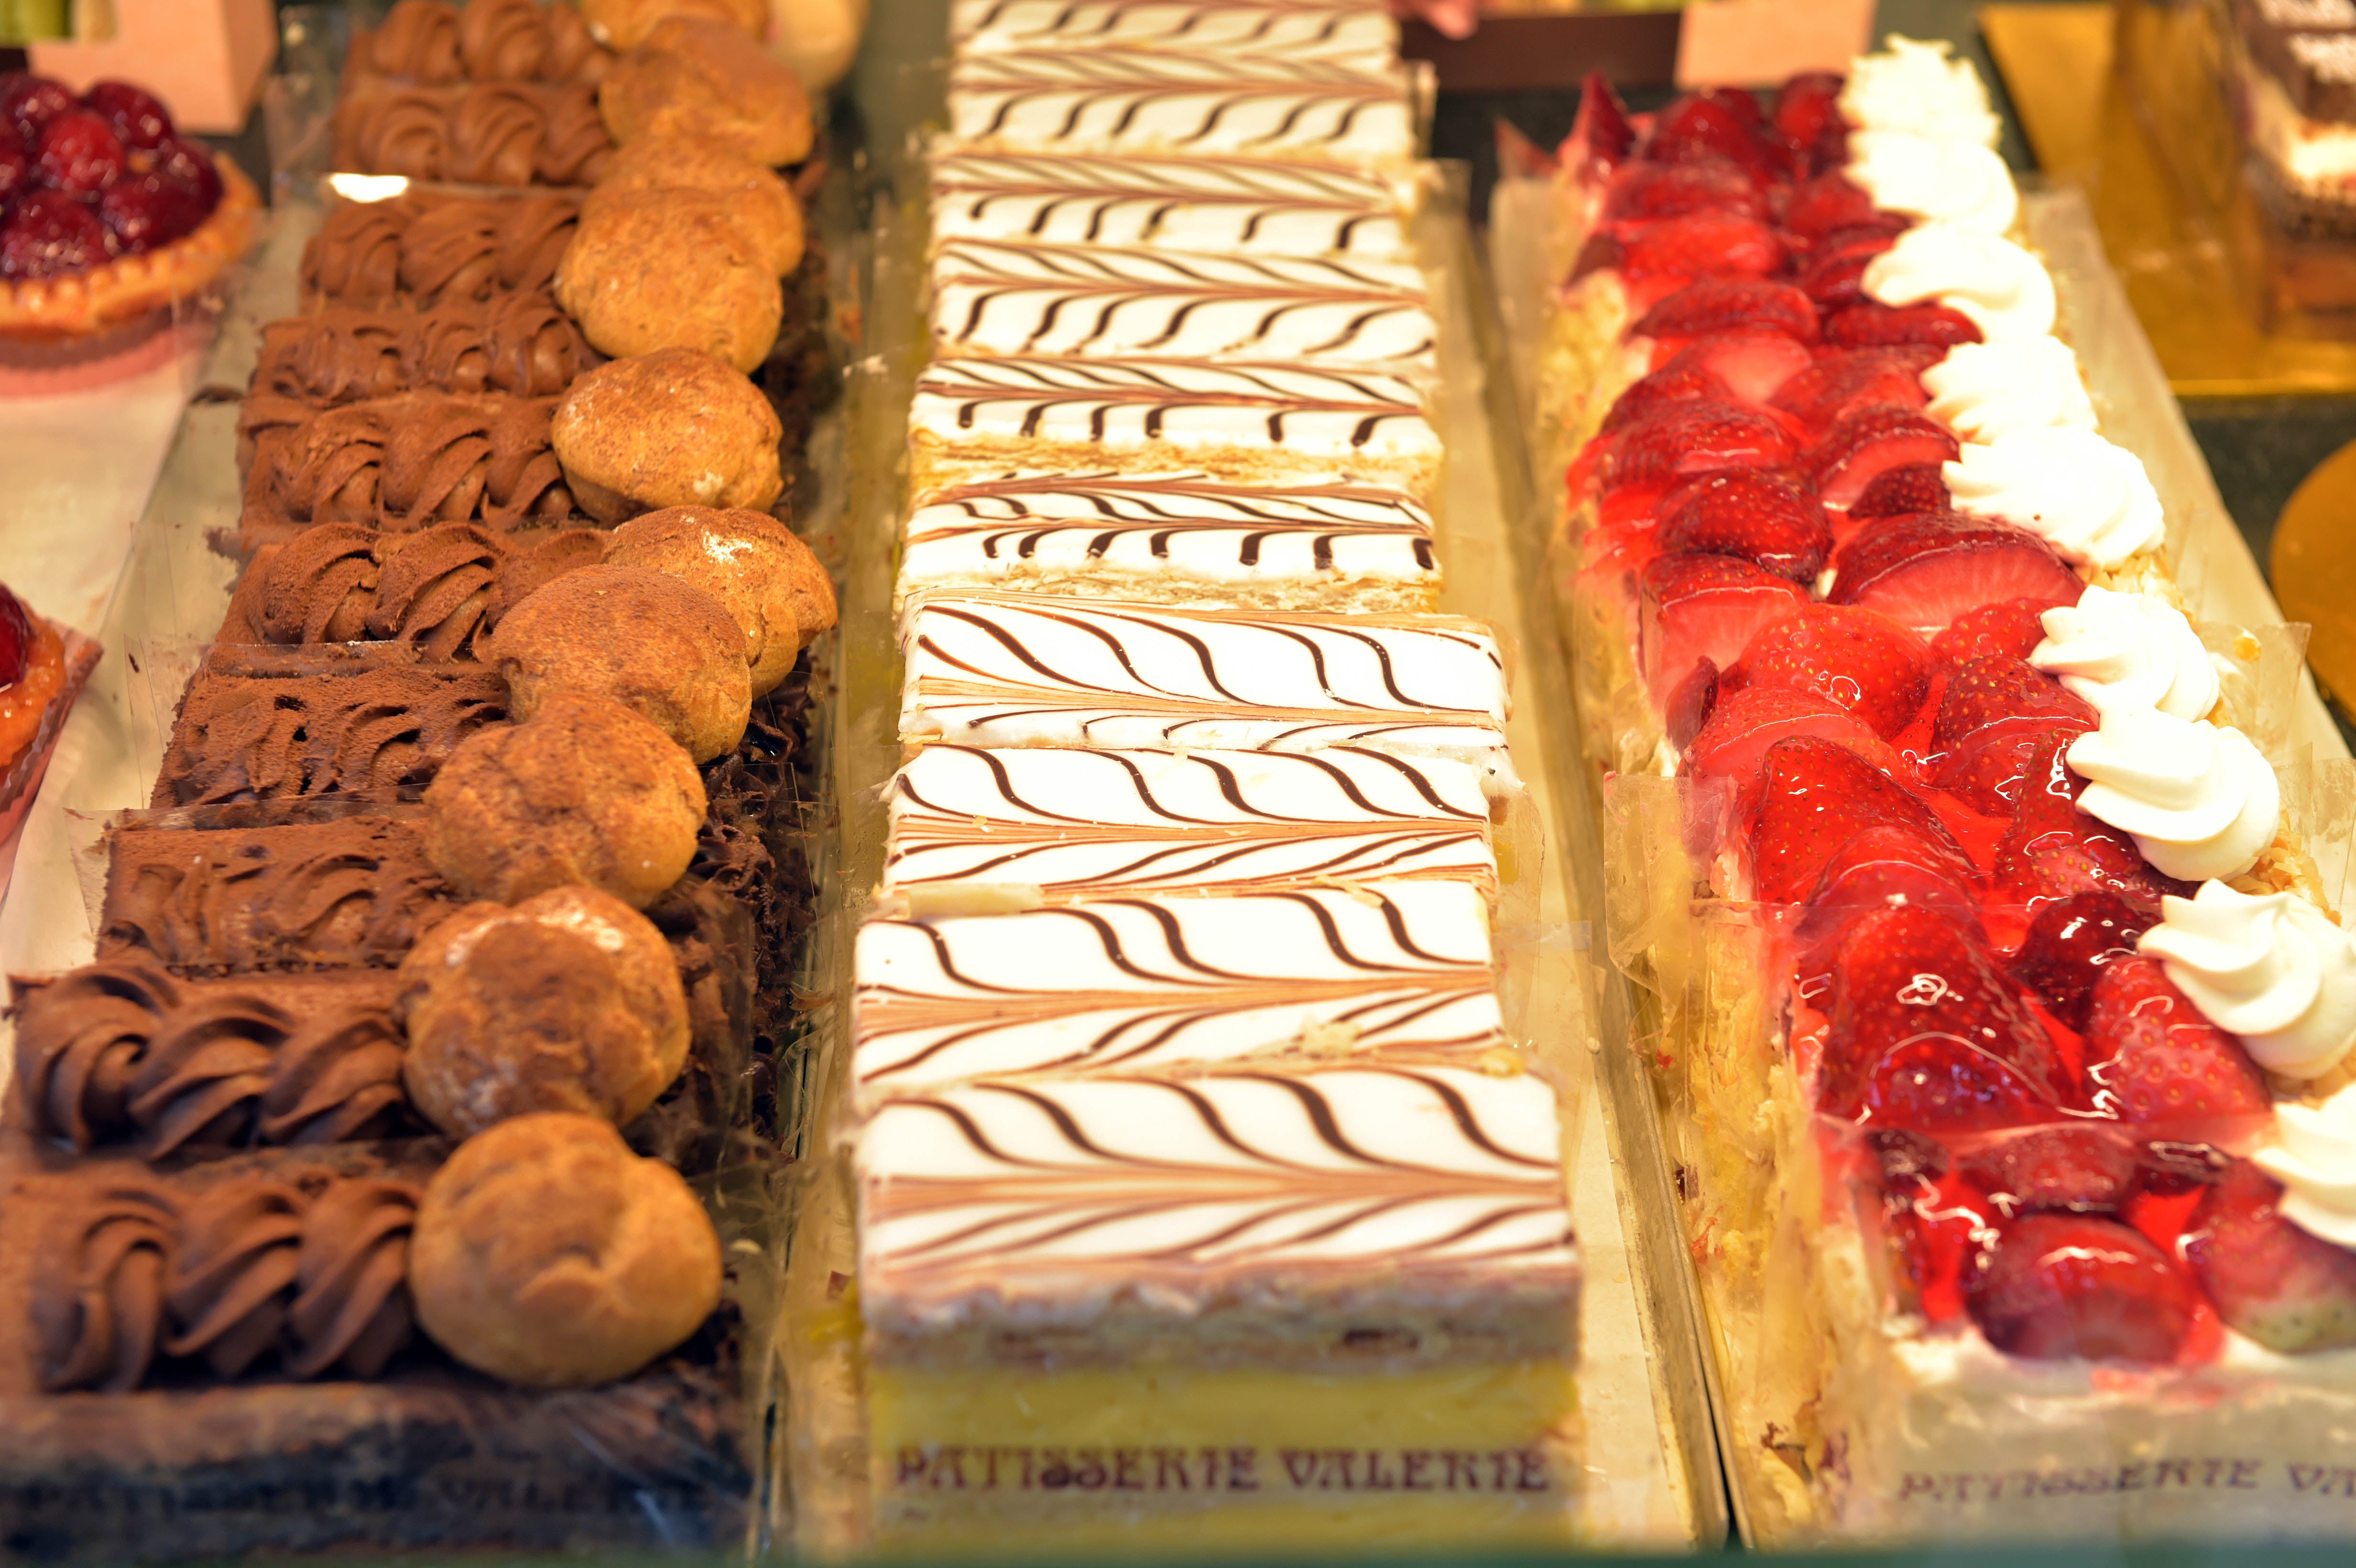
547, 1253
670, 269
567, 1001
649, 641
758, 198
349, 891
711, 77
673, 428
624, 24
485, 133
754, 565
425, 248
584, 791
434, 42
519, 344
122, 1052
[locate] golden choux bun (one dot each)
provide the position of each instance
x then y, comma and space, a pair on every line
673, 428
758, 199
752, 563
624, 24
689, 73
670, 269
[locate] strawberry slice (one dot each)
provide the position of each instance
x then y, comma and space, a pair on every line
1716, 305
1695, 607
1939, 1084
1753, 365
1757, 515
2081, 1169
1882, 868
1834, 273
2053, 1286
1689, 704
1999, 765
1824, 203
1896, 492
1702, 244
1841, 384
1869, 323
1643, 192
2152, 1054
1924, 570
1866, 662
2053, 850
2288, 1290
1911, 976
1717, 123
1867, 443
1601, 133
2009, 626
1679, 382
1993, 688
1693, 437
1808, 114
2071, 943
1743, 725
1816, 795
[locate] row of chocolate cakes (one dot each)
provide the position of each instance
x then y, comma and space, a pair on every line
461, 932
1203, 1194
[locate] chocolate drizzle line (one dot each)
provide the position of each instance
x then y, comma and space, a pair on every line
1282, 24
1256, 190
1322, 102
1035, 389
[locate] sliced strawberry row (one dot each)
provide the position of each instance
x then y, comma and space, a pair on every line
2049, 1113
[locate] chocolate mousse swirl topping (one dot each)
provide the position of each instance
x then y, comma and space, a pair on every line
382, 732
514, 343
121, 1051
1014, 297
440, 589
434, 42
1206, 1181
296, 1276
425, 249
505, 133
407, 463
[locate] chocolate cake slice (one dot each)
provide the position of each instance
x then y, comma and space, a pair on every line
423, 249
520, 344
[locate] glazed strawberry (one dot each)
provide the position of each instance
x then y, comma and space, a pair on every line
1753, 365
1994, 768
2009, 626
2053, 850
1674, 382
1867, 443
1896, 492
134, 112
1601, 132
1716, 305
2088, 1168
1910, 976
51, 233
1696, 607
1761, 516
1939, 1085
147, 210
1702, 244
1693, 437
16, 639
1993, 688
2071, 943
1689, 704
15, 169
1833, 273
1867, 663
79, 154
1743, 725
1887, 867
1924, 570
186, 165
2154, 1058
1643, 192
2288, 1290
1871, 325
1841, 384
1808, 114
1718, 122
1816, 797
2058, 1286
1825, 202
32, 102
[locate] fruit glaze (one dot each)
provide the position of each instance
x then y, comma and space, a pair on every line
2045, 960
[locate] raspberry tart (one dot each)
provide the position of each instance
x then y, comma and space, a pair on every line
106, 212
2002, 1025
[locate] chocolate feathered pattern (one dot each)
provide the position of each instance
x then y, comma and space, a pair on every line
427, 250
440, 589
308, 1275
435, 42
515, 343
407, 463
492, 133
121, 1050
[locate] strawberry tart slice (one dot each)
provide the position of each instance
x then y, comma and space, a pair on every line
2003, 1030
